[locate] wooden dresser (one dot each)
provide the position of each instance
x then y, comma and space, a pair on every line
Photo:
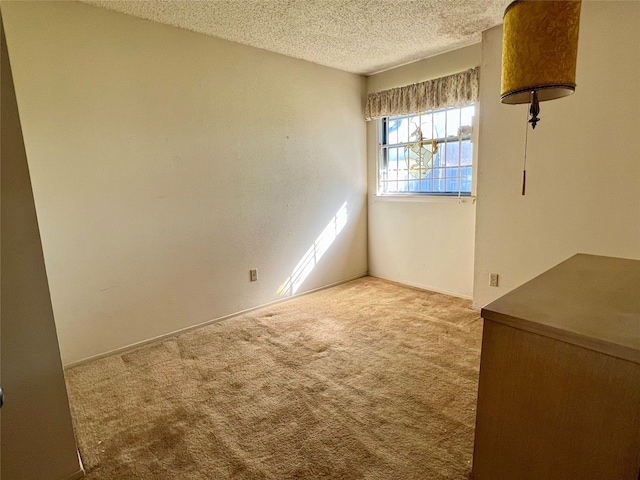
559, 391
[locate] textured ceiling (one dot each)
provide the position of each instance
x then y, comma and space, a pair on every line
359, 36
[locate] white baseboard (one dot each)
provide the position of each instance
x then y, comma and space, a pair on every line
425, 287
162, 337
80, 473
76, 476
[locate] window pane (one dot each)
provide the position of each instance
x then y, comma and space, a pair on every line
382, 172
405, 166
453, 172
393, 131
403, 131
466, 114
466, 153
453, 122
452, 179
439, 120
392, 158
452, 150
402, 164
427, 125
394, 175
414, 128
412, 162
438, 159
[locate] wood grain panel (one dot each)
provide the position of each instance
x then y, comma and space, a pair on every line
588, 300
552, 410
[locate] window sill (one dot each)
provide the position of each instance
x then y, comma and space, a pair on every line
424, 198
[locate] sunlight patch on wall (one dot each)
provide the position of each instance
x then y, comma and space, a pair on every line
315, 252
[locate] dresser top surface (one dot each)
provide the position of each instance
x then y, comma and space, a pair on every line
588, 300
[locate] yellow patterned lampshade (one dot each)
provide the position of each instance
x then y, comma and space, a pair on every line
539, 50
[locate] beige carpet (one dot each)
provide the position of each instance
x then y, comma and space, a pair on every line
366, 380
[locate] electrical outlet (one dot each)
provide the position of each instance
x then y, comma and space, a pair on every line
493, 280
253, 275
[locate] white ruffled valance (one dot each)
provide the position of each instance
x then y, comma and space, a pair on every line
451, 91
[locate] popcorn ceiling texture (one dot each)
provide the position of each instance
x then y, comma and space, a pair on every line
358, 36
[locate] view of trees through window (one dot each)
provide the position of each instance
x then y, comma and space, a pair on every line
427, 153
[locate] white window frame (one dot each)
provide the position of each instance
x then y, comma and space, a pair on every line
439, 197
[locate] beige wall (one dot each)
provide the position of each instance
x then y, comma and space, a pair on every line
425, 242
37, 436
166, 164
583, 175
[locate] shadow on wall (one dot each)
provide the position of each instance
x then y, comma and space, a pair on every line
315, 252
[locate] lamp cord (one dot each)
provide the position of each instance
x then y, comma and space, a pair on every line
524, 167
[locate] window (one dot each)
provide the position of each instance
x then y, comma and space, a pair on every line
427, 153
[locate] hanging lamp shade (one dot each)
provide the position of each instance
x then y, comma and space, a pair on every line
539, 50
